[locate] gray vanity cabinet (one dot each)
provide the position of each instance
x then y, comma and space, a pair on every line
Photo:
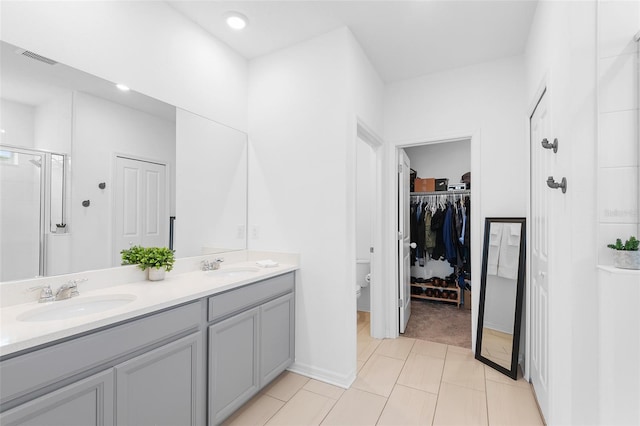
87, 402
160, 387
251, 341
276, 337
148, 370
233, 363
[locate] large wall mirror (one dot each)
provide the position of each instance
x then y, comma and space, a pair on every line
87, 169
501, 294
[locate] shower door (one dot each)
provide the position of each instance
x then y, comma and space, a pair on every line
21, 213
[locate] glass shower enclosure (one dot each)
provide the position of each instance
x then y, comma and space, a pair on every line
32, 194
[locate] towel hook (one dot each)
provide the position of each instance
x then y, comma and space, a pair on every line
551, 183
547, 145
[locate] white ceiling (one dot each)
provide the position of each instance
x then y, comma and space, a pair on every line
34, 83
403, 39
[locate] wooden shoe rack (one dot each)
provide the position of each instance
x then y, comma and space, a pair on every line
450, 294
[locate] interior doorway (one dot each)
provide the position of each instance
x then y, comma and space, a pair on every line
140, 205
440, 229
367, 283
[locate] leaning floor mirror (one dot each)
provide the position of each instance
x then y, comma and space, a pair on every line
501, 294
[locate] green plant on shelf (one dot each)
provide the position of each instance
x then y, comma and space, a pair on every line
630, 245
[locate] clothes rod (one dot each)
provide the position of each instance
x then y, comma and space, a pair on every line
457, 192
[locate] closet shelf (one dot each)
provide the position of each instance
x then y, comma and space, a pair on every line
424, 286
458, 192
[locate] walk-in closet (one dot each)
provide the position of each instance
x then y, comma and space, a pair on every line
441, 208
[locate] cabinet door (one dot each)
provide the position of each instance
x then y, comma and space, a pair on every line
84, 403
233, 363
161, 386
276, 337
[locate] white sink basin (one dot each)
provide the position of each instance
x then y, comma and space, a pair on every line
234, 272
76, 307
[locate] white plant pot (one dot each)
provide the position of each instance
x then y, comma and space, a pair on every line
156, 274
627, 259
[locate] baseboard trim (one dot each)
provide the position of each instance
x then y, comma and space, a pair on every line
326, 376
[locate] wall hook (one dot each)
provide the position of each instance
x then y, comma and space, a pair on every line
102, 185
86, 203
547, 145
551, 183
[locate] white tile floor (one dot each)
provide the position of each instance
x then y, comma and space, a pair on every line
400, 382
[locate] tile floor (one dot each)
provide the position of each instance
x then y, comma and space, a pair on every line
400, 382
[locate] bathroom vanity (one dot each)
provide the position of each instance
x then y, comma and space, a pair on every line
190, 361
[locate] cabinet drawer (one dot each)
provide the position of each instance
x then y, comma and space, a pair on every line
35, 370
236, 300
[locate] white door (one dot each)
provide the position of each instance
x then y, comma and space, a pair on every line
140, 205
404, 235
542, 165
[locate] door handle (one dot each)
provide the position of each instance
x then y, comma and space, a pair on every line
547, 145
551, 183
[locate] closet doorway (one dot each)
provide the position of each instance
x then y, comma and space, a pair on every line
440, 259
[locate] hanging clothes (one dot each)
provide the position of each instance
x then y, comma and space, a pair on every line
437, 224
429, 235
449, 236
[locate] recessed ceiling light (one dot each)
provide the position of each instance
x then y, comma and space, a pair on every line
122, 87
236, 20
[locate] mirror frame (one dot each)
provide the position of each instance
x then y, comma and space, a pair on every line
513, 371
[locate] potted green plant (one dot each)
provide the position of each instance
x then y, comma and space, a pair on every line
159, 260
627, 255
131, 256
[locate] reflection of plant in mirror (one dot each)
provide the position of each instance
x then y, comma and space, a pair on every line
630, 245
132, 256
157, 257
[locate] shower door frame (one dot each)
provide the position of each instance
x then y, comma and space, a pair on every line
45, 194
42, 212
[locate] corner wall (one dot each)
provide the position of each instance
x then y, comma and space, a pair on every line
302, 152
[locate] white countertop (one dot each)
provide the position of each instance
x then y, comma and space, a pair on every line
175, 289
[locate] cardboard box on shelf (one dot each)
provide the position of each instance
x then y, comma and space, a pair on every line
467, 299
425, 185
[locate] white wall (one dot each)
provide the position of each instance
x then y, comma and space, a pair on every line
561, 56
102, 129
618, 216
53, 124
618, 22
211, 186
302, 186
441, 160
17, 120
144, 44
486, 101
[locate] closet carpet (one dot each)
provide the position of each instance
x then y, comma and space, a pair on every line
439, 322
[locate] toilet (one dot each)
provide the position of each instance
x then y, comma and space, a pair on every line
363, 277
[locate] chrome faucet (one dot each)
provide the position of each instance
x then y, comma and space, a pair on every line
69, 289
46, 295
211, 265
66, 291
